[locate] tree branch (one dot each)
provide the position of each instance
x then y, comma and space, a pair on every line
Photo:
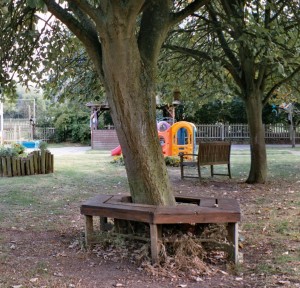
278, 84
228, 52
83, 5
86, 35
200, 56
188, 10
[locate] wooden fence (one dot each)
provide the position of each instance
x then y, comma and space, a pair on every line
241, 132
234, 132
37, 162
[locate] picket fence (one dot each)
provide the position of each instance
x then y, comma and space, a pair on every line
37, 162
241, 132
203, 131
233, 132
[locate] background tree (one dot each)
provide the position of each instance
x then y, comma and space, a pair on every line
18, 40
255, 46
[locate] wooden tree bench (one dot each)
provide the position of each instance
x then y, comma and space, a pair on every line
210, 153
204, 210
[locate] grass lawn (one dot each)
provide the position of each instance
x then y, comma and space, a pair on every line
42, 206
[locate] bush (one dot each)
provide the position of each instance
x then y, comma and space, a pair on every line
18, 148
80, 133
7, 151
43, 145
118, 160
172, 161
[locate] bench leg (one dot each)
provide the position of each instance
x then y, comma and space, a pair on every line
155, 234
89, 230
229, 171
103, 223
181, 171
199, 170
233, 235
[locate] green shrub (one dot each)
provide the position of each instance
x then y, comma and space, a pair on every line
18, 148
172, 161
7, 151
118, 160
80, 133
43, 145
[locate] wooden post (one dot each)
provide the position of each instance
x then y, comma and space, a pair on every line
232, 229
46, 162
43, 161
23, 167
154, 243
1, 168
52, 163
103, 222
89, 230
36, 161
49, 162
27, 166
4, 166
31, 164
14, 166
8, 166
19, 173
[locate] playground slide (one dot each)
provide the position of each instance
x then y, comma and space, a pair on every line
117, 151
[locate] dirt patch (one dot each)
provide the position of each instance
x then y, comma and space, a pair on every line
269, 239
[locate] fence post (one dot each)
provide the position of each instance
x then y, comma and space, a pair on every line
222, 131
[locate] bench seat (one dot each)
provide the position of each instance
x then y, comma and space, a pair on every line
209, 154
204, 210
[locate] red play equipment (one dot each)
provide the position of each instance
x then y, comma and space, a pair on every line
117, 151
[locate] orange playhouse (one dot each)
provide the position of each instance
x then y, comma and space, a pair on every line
176, 138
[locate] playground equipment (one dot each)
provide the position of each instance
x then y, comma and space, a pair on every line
179, 137
174, 139
117, 151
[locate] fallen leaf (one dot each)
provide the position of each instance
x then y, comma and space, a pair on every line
283, 282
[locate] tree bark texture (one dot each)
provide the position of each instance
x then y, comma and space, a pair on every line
258, 169
131, 96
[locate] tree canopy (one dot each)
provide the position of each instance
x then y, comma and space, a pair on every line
250, 46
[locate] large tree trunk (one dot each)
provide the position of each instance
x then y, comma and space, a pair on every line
258, 170
126, 77
123, 39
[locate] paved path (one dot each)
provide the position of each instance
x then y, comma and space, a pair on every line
69, 150
83, 149
66, 150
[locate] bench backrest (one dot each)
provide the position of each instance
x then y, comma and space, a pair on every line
212, 153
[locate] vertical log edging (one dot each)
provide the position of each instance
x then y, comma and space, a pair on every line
37, 162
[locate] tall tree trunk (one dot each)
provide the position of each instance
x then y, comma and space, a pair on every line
123, 39
126, 76
258, 170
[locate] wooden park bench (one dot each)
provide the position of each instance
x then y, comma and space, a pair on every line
210, 153
192, 210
